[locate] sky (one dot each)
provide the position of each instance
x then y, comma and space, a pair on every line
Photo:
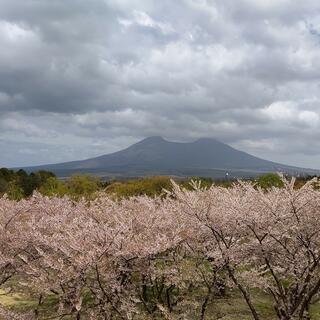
83, 78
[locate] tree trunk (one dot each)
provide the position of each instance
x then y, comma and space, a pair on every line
204, 305
245, 294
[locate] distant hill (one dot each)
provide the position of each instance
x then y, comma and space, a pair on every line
156, 156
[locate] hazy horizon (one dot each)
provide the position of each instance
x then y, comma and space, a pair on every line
80, 79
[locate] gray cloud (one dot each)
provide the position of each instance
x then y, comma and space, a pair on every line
82, 78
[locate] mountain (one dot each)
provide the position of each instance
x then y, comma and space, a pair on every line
157, 156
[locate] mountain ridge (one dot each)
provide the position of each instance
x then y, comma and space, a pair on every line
157, 156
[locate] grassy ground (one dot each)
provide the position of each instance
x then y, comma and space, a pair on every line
231, 308
19, 302
16, 301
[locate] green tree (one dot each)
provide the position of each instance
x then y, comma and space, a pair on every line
149, 186
6, 174
82, 186
20, 182
14, 191
270, 180
3, 185
42, 176
53, 187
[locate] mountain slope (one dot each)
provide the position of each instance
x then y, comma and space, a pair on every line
155, 155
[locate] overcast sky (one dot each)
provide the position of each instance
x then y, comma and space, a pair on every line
80, 78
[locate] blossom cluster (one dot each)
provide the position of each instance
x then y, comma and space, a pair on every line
142, 257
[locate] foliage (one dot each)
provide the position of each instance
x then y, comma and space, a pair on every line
14, 191
79, 186
3, 185
270, 180
205, 182
20, 184
150, 186
53, 187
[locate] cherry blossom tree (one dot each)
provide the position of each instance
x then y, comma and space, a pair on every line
266, 239
143, 257
78, 249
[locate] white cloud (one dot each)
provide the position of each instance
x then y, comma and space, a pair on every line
310, 118
98, 75
143, 19
280, 110
14, 33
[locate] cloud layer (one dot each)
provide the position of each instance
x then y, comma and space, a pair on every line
82, 78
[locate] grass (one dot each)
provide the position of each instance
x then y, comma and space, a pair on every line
22, 302
16, 301
231, 308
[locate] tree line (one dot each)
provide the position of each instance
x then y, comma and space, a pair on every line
20, 184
